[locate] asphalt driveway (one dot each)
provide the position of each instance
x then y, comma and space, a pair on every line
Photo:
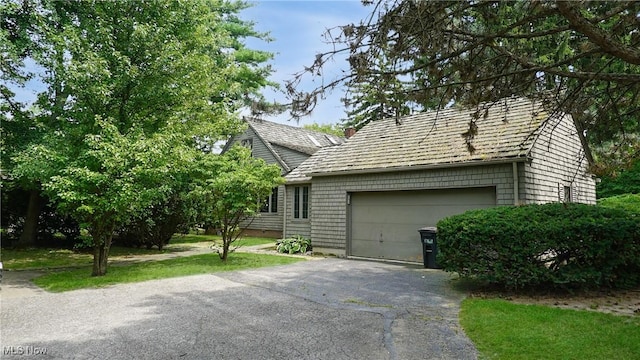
326, 309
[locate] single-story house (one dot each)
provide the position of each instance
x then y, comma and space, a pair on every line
284, 145
369, 196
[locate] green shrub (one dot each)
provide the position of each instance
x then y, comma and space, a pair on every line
557, 245
628, 202
625, 181
292, 245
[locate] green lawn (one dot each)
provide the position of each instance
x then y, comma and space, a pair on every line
44, 258
192, 238
251, 241
503, 330
243, 241
47, 258
149, 270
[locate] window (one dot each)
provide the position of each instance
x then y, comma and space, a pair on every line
248, 143
270, 204
305, 202
301, 202
567, 194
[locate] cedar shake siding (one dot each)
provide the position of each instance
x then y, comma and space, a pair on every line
558, 163
288, 147
329, 208
298, 226
517, 144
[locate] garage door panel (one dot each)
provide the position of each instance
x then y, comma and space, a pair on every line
385, 224
434, 197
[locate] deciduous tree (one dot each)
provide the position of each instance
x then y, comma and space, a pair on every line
235, 191
333, 129
132, 89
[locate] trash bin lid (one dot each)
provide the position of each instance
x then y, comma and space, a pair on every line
432, 229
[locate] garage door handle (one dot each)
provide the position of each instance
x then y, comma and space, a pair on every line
380, 238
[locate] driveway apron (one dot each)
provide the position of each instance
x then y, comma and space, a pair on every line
326, 309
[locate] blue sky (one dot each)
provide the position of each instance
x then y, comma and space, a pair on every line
297, 28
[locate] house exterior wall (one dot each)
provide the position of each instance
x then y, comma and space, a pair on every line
558, 162
267, 222
259, 149
264, 221
294, 226
329, 208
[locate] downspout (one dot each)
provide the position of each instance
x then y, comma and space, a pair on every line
516, 184
284, 216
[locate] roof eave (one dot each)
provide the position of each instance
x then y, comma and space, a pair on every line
423, 167
297, 181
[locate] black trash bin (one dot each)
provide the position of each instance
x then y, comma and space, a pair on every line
429, 246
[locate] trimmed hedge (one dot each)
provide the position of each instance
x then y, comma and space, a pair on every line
628, 202
553, 245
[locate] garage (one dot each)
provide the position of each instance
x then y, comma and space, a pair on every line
384, 224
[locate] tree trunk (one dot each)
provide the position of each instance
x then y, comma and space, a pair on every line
30, 229
226, 239
102, 244
98, 256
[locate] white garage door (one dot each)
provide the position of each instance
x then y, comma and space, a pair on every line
385, 224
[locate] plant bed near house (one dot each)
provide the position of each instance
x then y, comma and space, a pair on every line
293, 245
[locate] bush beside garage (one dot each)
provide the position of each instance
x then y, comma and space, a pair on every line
556, 245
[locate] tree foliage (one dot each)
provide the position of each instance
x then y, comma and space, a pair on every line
234, 192
624, 181
581, 58
132, 89
332, 129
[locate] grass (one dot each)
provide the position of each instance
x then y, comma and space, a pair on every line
192, 238
150, 270
251, 241
243, 241
502, 330
45, 258
19, 259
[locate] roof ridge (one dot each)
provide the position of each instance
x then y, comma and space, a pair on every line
297, 128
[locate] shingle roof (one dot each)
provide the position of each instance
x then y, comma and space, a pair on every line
506, 131
291, 137
299, 174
